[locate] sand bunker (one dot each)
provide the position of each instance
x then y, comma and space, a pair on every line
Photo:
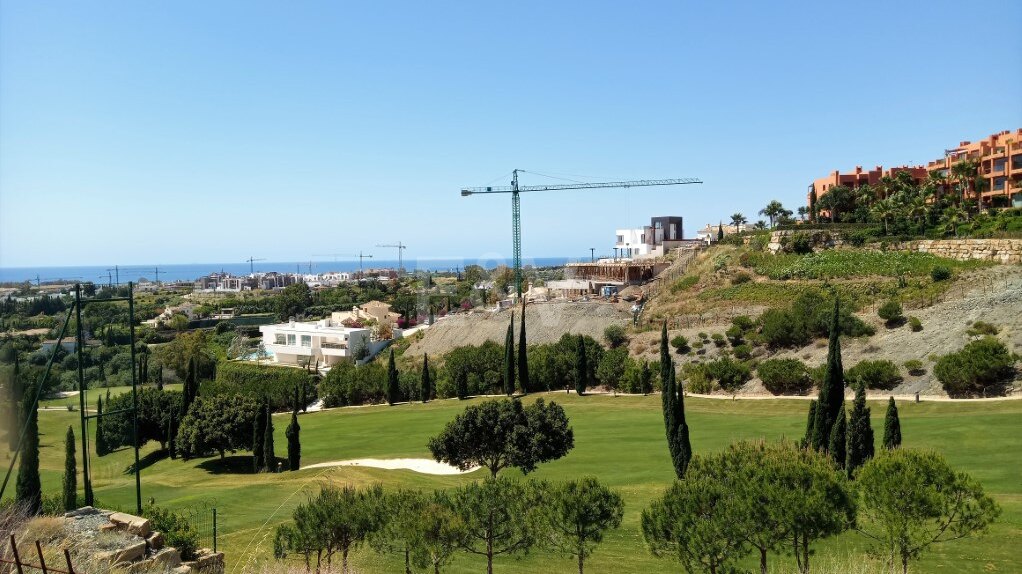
423, 465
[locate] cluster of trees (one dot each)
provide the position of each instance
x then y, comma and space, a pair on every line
943, 202
494, 518
982, 364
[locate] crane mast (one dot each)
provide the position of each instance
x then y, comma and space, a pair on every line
516, 207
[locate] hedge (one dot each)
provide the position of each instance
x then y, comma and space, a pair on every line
263, 382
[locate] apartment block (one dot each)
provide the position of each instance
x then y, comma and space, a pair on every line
1000, 166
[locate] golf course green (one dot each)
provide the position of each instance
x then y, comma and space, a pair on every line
620, 440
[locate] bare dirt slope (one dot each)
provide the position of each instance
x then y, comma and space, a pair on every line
545, 323
991, 295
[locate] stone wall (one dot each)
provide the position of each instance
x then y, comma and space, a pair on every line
1005, 251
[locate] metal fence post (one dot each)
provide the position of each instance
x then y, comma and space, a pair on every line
214, 529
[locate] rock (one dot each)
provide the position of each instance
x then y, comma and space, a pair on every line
124, 555
155, 540
134, 524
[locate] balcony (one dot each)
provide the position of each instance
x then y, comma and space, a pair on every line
333, 345
289, 349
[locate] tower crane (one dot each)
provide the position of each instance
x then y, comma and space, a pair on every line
400, 261
251, 263
516, 218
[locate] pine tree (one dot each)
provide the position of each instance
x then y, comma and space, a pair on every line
832, 391
102, 448
268, 455
683, 447
426, 388
29, 489
581, 367
294, 444
645, 379
393, 389
892, 426
523, 357
70, 471
860, 433
807, 440
461, 384
258, 438
509, 358
838, 438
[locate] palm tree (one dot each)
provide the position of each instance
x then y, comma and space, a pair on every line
737, 219
954, 216
772, 210
884, 210
937, 181
835, 200
915, 207
803, 211
965, 174
760, 225
888, 185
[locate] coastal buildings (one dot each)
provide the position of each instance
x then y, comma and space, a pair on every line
372, 312
996, 159
709, 233
323, 342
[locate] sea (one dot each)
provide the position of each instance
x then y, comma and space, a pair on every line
190, 271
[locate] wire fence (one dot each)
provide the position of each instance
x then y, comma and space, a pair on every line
203, 517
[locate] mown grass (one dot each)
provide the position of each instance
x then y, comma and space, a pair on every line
619, 440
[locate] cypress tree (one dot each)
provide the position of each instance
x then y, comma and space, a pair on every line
581, 367
683, 448
860, 433
16, 420
294, 444
190, 386
268, 455
838, 438
258, 438
102, 449
461, 384
159, 377
426, 388
892, 426
832, 391
720, 231
29, 490
808, 438
171, 436
393, 389
509, 358
523, 357
70, 471
665, 356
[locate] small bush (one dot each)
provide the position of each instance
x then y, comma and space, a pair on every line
728, 373
914, 367
785, 376
734, 335
983, 328
743, 322
177, 531
680, 344
615, 336
704, 337
890, 312
915, 324
879, 374
697, 380
741, 277
980, 364
718, 339
742, 352
940, 273
800, 244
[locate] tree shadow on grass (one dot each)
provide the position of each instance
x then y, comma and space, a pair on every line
233, 464
147, 461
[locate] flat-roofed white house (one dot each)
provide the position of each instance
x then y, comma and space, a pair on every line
322, 342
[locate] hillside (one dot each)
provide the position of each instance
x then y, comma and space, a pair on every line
723, 282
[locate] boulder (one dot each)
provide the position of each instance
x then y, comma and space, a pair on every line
134, 524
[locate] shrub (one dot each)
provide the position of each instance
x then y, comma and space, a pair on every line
684, 284
704, 337
742, 352
177, 531
741, 277
914, 367
980, 364
696, 379
347, 384
983, 328
718, 340
800, 244
940, 273
734, 335
879, 374
728, 373
743, 322
890, 312
615, 336
680, 344
785, 376
915, 324
781, 328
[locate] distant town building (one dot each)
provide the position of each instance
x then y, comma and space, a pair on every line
709, 233
860, 177
375, 311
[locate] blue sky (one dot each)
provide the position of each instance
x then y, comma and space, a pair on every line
174, 132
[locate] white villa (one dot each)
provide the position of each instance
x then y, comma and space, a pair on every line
323, 342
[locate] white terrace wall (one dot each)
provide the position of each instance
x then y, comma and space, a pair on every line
1005, 251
